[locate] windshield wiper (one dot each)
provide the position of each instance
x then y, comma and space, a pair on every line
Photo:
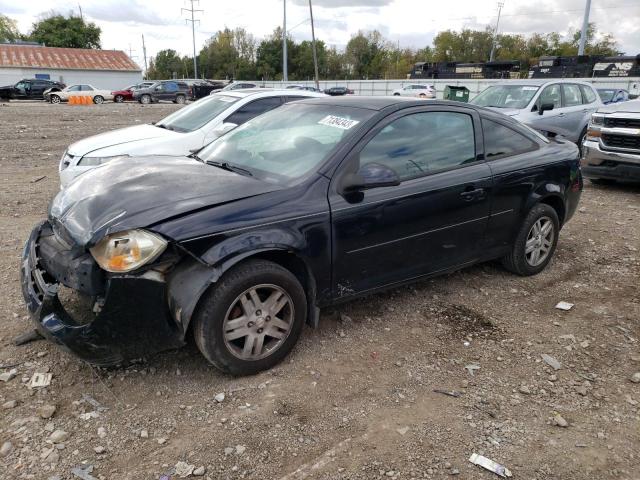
229, 167
162, 125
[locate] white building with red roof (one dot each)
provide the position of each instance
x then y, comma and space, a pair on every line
107, 69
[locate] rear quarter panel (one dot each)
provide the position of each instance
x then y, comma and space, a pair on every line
550, 174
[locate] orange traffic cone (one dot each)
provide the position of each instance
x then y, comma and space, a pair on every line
71, 100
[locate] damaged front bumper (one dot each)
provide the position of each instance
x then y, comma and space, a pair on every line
125, 317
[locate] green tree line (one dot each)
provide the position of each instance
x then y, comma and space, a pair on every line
237, 54
54, 30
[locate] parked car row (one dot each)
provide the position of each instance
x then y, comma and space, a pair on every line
236, 218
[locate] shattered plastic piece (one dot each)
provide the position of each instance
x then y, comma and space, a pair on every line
490, 465
552, 362
84, 472
183, 469
6, 376
40, 380
564, 305
219, 397
472, 367
452, 393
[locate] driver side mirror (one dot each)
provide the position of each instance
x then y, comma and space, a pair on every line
545, 107
371, 175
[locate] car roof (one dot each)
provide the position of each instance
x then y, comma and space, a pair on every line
539, 82
380, 102
268, 92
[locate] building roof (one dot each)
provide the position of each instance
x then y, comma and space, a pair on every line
64, 58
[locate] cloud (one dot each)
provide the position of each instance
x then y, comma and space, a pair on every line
343, 3
128, 12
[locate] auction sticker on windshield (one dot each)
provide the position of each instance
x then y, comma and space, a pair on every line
338, 122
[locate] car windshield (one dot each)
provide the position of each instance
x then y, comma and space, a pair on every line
287, 143
197, 114
506, 96
606, 95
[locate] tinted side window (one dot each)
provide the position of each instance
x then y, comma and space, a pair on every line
86, 88
292, 98
551, 94
501, 141
253, 109
423, 143
572, 95
170, 86
588, 95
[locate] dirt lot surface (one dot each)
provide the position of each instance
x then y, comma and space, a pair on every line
360, 397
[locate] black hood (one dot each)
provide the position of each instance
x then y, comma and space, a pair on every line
139, 192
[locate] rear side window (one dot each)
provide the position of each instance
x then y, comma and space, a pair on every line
501, 141
588, 96
292, 98
171, 86
572, 95
422, 143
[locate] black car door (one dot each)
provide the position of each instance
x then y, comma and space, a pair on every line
253, 109
434, 220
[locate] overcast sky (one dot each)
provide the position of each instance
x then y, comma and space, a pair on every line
412, 23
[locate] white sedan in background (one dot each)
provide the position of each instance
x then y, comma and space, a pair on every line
84, 90
181, 133
416, 90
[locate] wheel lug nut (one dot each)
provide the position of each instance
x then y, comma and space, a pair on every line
268, 318
259, 330
258, 312
250, 324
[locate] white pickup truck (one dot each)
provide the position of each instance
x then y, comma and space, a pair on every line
612, 146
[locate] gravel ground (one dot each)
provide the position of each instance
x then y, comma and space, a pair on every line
360, 396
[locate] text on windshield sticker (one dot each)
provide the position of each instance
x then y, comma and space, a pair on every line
338, 122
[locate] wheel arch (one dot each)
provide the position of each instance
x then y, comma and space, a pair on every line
192, 278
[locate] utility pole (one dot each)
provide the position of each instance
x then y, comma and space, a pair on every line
193, 21
144, 54
495, 33
313, 45
585, 28
81, 17
285, 77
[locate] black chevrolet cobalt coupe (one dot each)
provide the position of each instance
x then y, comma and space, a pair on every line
313, 203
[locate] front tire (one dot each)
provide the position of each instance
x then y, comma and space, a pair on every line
535, 243
145, 99
251, 319
55, 99
98, 100
118, 99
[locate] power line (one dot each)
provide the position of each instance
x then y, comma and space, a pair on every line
495, 33
193, 32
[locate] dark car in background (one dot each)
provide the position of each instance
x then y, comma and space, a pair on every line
310, 204
613, 95
29, 88
126, 94
175, 91
337, 91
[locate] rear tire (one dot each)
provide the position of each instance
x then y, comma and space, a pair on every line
180, 100
98, 99
583, 137
243, 293
521, 260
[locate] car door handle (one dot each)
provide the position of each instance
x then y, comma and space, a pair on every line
469, 195
561, 114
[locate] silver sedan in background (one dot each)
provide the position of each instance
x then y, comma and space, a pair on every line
562, 107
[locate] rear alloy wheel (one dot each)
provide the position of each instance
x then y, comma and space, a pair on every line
54, 98
146, 99
98, 99
180, 99
422, 95
118, 99
251, 319
536, 242
583, 137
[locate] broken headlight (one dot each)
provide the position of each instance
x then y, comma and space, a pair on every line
128, 250
95, 161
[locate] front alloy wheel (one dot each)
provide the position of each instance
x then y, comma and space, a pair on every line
251, 318
146, 99
258, 322
54, 98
